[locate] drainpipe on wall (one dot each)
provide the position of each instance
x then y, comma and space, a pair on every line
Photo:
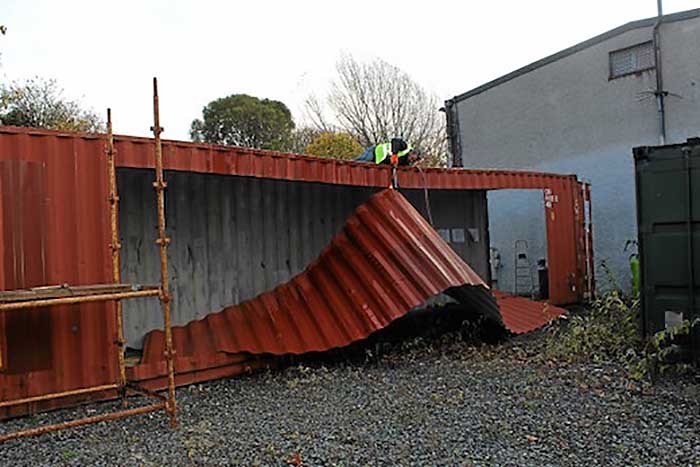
659, 92
453, 134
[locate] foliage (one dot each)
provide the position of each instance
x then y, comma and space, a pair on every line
334, 145
663, 352
242, 120
608, 331
376, 101
40, 103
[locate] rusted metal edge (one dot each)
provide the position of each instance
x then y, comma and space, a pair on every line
528, 177
521, 315
131, 386
385, 261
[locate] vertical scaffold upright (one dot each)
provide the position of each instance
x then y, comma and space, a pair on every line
47, 296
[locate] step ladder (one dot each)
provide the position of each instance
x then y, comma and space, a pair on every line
524, 285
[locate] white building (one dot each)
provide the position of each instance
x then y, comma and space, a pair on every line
581, 111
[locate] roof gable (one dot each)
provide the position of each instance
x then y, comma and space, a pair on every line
643, 23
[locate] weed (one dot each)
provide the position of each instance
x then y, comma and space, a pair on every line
664, 353
68, 455
609, 331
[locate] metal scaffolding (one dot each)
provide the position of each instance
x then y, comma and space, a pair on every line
65, 295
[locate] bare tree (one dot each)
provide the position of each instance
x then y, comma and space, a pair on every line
376, 101
300, 138
3, 31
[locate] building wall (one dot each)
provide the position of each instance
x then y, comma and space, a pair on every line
568, 117
236, 237
523, 223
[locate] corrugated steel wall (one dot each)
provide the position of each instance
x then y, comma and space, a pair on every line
563, 224
54, 216
236, 237
54, 231
668, 214
385, 261
566, 263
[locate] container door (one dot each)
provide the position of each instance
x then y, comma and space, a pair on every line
668, 214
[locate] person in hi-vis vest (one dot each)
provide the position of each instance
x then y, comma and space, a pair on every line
381, 153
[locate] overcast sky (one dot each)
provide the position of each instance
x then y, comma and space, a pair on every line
105, 53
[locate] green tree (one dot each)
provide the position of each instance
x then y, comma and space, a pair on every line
40, 103
242, 120
335, 145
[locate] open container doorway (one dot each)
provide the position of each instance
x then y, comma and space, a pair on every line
518, 242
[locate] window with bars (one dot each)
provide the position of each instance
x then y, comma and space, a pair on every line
631, 60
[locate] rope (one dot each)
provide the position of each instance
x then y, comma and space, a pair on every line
426, 197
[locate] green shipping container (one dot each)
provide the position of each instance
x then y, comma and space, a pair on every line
668, 221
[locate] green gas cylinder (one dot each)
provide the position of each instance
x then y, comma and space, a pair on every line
634, 269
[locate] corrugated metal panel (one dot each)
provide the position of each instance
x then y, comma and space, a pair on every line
566, 266
24, 263
134, 152
236, 237
668, 216
75, 238
197, 341
194, 157
155, 376
386, 261
232, 238
562, 228
521, 315
54, 216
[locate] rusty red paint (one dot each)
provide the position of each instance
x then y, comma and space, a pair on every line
226, 160
385, 261
62, 213
26, 331
564, 236
521, 315
74, 238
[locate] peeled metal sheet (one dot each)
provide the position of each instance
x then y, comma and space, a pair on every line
386, 261
521, 315
71, 180
565, 240
201, 361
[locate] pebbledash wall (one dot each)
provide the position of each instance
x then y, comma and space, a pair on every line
566, 114
236, 237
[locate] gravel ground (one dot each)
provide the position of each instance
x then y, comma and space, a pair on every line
444, 403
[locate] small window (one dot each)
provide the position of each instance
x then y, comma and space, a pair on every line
633, 59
